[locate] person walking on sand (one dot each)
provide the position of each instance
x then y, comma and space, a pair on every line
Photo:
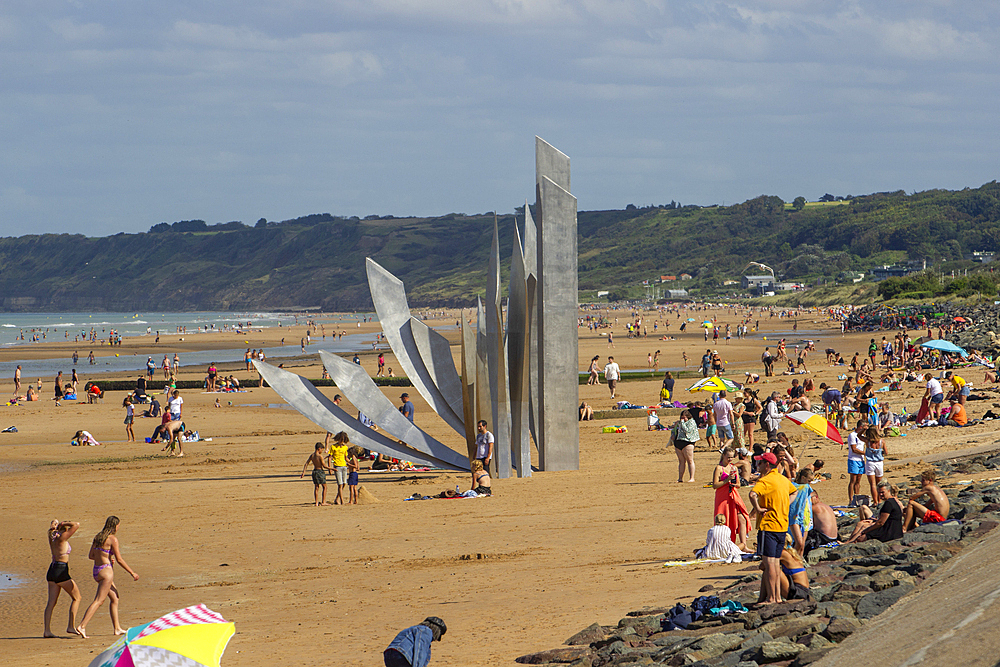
611, 339
129, 417
104, 551
58, 576
611, 373
318, 473
595, 371
17, 381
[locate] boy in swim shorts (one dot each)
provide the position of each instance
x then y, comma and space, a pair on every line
318, 473
935, 511
353, 466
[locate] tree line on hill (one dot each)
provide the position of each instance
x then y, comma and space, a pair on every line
317, 261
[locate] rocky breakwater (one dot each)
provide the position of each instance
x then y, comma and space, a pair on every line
850, 585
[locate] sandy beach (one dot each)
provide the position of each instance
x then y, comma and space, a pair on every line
232, 525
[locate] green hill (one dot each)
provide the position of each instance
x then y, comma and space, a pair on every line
318, 261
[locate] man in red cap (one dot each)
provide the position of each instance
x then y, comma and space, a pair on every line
770, 498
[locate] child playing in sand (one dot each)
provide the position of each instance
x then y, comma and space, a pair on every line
129, 417
318, 474
353, 467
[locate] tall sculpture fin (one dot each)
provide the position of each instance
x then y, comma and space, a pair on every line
483, 409
393, 311
369, 399
531, 269
558, 309
517, 356
469, 364
497, 362
435, 351
317, 408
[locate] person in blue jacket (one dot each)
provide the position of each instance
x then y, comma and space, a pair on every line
412, 646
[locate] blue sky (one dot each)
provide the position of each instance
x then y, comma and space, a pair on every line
117, 115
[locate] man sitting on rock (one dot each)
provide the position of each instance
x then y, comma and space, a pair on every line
824, 530
937, 508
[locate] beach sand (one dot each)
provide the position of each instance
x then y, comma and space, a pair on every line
232, 525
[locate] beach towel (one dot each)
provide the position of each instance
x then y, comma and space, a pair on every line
924, 412
728, 607
800, 510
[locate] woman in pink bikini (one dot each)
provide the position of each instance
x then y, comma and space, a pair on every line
104, 552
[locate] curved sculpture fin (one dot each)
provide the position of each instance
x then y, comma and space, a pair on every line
369, 399
320, 410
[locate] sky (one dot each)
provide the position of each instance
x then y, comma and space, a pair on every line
118, 115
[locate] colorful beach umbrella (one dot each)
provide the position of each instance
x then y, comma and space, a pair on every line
714, 384
708, 325
945, 346
815, 423
191, 637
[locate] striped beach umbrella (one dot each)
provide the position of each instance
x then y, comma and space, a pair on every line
191, 637
815, 423
714, 384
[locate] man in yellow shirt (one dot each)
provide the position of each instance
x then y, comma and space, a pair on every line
338, 454
959, 387
770, 498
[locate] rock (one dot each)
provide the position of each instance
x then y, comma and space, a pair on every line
793, 627
840, 628
952, 529
778, 650
747, 663
810, 656
888, 578
714, 645
924, 538
814, 641
767, 612
817, 555
875, 603
831, 609
642, 625
856, 582
587, 636
756, 640
850, 598
561, 655
706, 588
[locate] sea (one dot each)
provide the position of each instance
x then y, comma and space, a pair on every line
62, 327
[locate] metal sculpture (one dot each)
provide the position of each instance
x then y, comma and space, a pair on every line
521, 378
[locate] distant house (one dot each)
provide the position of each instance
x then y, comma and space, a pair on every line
880, 273
757, 282
982, 256
677, 293
850, 277
686, 276
666, 279
602, 292
727, 283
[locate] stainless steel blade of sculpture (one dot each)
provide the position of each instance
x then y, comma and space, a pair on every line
521, 378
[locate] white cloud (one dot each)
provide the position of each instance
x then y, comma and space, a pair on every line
72, 31
918, 39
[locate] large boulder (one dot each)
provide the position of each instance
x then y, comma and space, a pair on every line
875, 603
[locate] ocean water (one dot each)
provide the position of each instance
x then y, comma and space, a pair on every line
60, 327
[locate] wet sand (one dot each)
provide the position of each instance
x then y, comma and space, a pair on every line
232, 525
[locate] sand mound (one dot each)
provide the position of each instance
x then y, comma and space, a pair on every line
366, 498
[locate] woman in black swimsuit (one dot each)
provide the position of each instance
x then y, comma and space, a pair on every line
751, 411
480, 479
58, 577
